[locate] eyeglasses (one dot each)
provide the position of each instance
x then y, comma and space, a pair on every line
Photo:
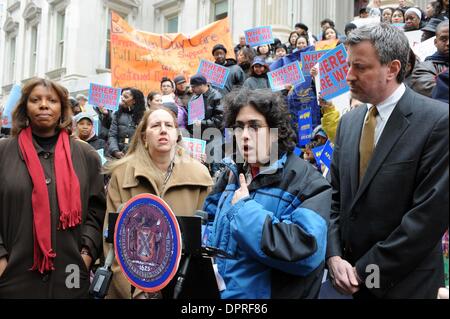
252, 127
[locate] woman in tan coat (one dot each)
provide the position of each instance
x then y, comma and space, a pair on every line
155, 164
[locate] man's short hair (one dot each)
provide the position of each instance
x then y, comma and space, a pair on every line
302, 26
390, 44
441, 25
329, 21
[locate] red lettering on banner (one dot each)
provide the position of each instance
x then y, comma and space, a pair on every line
325, 82
333, 62
341, 58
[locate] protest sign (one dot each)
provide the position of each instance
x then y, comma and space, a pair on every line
327, 154
326, 44
424, 49
333, 73
101, 153
216, 74
141, 59
305, 127
195, 147
298, 151
414, 38
362, 22
11, 102
259, 36
317, 152
289, 74
196, 110
106, 96
310, 58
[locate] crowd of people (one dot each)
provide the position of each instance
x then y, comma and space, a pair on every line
284, 217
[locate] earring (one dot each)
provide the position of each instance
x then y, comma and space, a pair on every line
146, 145
27, 122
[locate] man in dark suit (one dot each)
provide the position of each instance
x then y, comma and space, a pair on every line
389, 177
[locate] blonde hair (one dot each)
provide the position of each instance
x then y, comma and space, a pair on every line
137, 149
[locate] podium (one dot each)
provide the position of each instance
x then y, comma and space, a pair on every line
199, 280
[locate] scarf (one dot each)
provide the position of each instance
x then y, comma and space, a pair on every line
68, 193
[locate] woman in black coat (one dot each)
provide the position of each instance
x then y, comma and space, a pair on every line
125, 121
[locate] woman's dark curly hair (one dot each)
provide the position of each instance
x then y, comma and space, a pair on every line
139, 104
269, 104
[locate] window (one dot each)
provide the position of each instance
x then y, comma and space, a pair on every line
60, 24
33, 47
172, 24
220, 10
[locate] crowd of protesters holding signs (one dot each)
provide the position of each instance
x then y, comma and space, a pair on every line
328, 153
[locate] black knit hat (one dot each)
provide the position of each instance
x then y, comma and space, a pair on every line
219, 47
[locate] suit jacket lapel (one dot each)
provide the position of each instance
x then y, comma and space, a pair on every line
353, 140
394, 129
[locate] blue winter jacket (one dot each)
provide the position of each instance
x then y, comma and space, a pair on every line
277, 235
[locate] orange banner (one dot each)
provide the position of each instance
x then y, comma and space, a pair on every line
140, 59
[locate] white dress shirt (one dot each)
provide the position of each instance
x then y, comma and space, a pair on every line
385, 110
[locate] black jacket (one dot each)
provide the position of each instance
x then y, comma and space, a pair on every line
121, 131
97, 143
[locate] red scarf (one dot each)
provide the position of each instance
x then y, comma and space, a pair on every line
68, 193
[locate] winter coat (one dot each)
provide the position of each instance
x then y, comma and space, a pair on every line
277, 235
185, 193
121, 131
257, 82
97, 143
423, 79
235, 79
16, 223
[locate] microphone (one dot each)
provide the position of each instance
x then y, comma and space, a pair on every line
183, 269
103, 276
181, 276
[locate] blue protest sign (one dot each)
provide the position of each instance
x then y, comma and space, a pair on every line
317, 152
327, 154
333, 70
216, 74
259, 36
310, 59
289, 74
107, 96
196, 110
298, 152
13, 99
304, 127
